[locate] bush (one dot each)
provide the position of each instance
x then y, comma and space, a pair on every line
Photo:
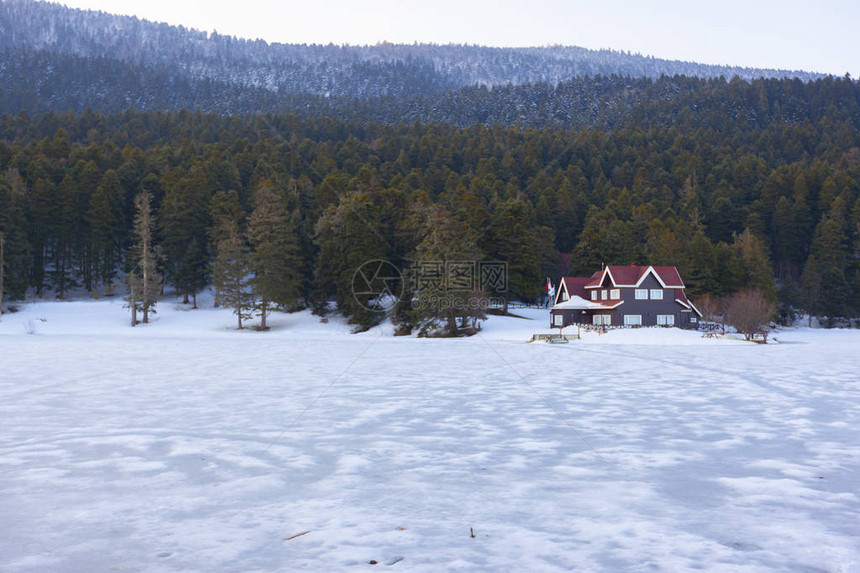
748, 311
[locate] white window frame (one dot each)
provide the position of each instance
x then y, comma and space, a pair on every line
557, 319
597, 320
615, 294
632, 320
693, 320
604, 294
665, 320
641, 294
594, 295
656, 294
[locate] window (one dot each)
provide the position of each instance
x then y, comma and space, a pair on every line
666, 319
633, 319
557, 319
693, 320
597, 319
605, 319
641, 294
564, 296
615, 294
604, 294
656, 294
594, 295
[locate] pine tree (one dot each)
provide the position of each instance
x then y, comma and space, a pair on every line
67, 234
756, 265
811, 288
230, 270
43, 214
2, 268
107, 221
514, 237
192, 273
446, 242
143, 279
184, 219
88, 181
348, 236
275, 257
830, 252
16, 254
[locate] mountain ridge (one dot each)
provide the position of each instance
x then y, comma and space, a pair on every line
60, 59
330, 69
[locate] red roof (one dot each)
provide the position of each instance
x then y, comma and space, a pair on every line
576, 286
631, 275
669, 276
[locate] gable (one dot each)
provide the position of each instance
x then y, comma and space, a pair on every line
617, 276
649, 281
570, 287
626, 276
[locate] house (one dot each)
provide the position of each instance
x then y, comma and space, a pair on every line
629, 295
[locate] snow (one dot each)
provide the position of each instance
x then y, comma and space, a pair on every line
576, 303
184, 445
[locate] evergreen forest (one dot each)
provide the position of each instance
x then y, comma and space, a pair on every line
764, 196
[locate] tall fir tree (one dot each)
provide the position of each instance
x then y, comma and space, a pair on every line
445, 289
107, 221
348, 236
16, 257
2, 268
231, 269
184, 219
275, 256
67, 234
143, 279
43, 226
811, 290
514, 237
192, 274
830, 252
755, 263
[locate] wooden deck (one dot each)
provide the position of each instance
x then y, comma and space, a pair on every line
554, 338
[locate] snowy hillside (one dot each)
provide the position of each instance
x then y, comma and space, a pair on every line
351, 71
184, 445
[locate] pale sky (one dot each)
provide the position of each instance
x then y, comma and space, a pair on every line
819, 35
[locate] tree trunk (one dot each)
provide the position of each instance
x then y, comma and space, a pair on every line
133, 304
452, 323
194, 298
62, 294
263, 316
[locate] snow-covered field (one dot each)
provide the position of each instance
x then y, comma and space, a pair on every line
184, 445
